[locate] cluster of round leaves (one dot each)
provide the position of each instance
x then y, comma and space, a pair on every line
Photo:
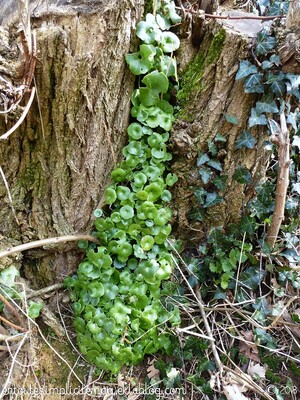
120, 314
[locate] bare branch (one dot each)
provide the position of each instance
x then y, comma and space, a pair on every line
283, 142
46, 242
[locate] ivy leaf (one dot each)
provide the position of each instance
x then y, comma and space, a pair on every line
242, 175
255, 89
205, 175
247, 225
246, 139
251, 277
293, 85
200, 194
278, 8
267, 64
275, 59
231, 119
292, 118
264, 43
196, 214
278, 88
296, 141
252, 81
220, 138
220, 181
296, 187
245, 69
266, 105
215, 164
212, 199
202, 158
256, 118
212, 148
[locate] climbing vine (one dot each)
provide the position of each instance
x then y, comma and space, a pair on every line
120, 310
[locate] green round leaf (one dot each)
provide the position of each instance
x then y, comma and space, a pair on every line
135, 130
126, 212
110, 195
147, 243
98, 213
123, 192
118, 175
139, 178
157, 81
169, 42
148, 32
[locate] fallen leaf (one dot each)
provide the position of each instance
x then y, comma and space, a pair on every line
152, 371
249, 350
256, 369
233, 392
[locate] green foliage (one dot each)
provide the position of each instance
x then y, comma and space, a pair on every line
34, 309
210, 173
118, 308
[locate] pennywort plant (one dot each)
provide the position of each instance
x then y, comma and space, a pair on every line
120, 312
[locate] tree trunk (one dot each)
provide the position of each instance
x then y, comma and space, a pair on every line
58, 163
209, 93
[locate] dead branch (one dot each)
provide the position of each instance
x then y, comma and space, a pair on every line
46, 242
282, 139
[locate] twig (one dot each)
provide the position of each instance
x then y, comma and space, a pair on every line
89, 381
46, 242
264, 18
274, 322
7, 322
198, 297
66, 331
283, 140
188, 331
23, 116
9, 195
41, 292
208, 330
3, 391
259, 17
10, 307
239, 266
11, 338
44, 339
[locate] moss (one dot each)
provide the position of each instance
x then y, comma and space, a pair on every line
216, 46
191, 79
148, 7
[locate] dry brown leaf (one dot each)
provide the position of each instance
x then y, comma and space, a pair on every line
152, 371
249, 350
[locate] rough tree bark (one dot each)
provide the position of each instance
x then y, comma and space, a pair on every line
59, 161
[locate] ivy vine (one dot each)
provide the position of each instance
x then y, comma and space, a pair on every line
120, 312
